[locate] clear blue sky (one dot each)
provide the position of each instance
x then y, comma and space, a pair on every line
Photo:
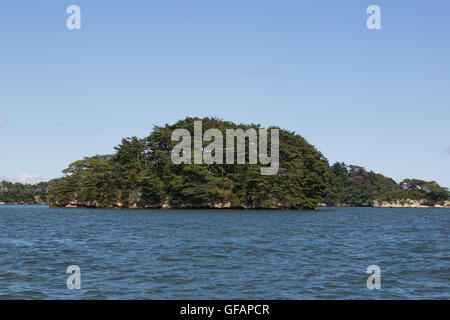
379, 99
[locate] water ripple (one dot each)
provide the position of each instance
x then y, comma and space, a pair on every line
138, 254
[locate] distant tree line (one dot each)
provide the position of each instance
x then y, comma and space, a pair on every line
353, 185
19, 193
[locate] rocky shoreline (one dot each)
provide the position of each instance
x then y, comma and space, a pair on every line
408, 203
209, 205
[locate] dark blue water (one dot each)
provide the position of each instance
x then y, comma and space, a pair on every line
190, 254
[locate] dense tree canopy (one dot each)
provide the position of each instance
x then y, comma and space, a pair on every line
142, 174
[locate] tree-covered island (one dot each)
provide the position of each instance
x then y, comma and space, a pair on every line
141, 174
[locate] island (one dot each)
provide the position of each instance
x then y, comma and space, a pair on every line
141, 175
